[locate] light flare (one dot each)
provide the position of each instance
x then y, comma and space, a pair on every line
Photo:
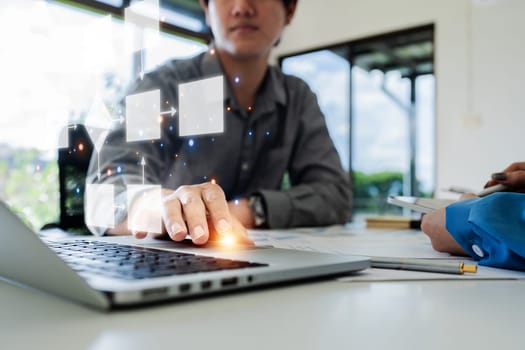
227, 240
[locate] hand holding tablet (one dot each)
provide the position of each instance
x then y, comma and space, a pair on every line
427, 205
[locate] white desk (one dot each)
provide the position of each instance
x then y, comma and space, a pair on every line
320, 315
431, 314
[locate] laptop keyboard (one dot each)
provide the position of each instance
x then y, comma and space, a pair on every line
134, 262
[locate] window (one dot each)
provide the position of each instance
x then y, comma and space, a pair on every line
328, 74
377, 95
59, 63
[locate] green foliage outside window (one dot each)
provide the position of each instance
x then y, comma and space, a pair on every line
371, 190
29, 184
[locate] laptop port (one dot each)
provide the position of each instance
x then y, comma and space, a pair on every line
205, 285
154, 293
184, 288
230, 281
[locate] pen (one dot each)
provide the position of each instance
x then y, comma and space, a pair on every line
459, 190
424, 265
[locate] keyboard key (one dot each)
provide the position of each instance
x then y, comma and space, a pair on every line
133, 262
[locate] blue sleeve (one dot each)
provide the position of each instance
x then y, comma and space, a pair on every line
491, 229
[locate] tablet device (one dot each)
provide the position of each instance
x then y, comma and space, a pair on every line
420, 204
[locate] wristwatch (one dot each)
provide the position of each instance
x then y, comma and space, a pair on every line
256, 203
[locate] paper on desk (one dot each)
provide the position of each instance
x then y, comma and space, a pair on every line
377, 243
341, 240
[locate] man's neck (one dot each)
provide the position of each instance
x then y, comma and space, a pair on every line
245, 76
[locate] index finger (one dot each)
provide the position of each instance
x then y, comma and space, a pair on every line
237, 235
217, 206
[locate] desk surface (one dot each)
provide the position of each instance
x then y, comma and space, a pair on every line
329, 314
319, 315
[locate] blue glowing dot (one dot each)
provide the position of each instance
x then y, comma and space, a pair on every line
161, 145
268, 133
191, 142
236, 80
236, 202
205, 177
119, 169
77, 190
250, 133
171, 127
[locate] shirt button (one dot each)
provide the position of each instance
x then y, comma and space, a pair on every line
478, 250
245, 166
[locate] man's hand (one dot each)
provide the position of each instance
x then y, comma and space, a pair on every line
200, 210
433, 224
512, 176
241, 210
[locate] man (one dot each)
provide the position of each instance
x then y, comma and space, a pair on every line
273, 125
489, 229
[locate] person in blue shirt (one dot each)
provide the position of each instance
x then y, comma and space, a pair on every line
490, 229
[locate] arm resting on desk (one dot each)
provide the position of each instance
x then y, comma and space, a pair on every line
491, 229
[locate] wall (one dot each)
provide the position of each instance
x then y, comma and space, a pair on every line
479, 56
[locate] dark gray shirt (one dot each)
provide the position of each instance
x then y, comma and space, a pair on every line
284, 133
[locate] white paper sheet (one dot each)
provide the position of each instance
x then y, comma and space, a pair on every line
358, 240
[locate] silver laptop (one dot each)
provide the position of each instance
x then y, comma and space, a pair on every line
114, 272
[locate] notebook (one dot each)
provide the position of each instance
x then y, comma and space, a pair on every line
112, 272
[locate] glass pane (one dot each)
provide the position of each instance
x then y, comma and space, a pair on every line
116, 3
380, 137
425, 114
55, 63
391, 112
179, 19
171, 47
327, 73
61, 65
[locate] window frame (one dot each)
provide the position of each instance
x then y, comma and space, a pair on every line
118, 12
350, 47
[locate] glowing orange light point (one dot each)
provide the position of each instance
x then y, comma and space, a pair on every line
228, 240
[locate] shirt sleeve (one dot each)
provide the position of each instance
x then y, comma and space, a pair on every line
491, 229
320, 192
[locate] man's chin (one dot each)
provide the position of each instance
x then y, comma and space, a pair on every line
247, 51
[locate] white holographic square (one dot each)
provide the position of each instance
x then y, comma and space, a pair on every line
143, 116
99, 205
201, 107
146, 217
